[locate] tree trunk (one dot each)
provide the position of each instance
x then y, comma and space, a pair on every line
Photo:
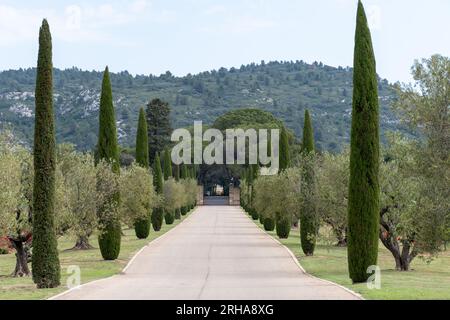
21, 268
82, 244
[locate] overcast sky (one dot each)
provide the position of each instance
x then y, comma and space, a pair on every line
189, 36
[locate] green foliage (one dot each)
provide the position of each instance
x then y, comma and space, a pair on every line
176, 172
108, 150
308, 136
142, 224
364, 190
284, 151
283, 225
167, 165
138, 199
157, 218
45, 261
159, 129
157, 213
178, 213
332, 191
309, 224
142, 155
157, 175
269, 224
282, 88
243, 118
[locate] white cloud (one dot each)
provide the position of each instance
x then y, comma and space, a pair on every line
73, 17
215, 10
139, 6
74, 23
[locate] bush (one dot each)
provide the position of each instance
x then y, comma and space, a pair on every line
142, 228
269, 224
109, 214
283, 225
178, 213
254, 214
169, 217
138, 198
157, 218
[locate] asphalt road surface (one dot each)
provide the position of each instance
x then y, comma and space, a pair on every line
216, 253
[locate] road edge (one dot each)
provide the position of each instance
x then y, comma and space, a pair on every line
123, 271
359, 296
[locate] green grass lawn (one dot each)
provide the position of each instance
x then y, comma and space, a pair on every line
90, 262
424, 281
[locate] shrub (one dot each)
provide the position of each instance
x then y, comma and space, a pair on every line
283, 225
269, 224
138, 199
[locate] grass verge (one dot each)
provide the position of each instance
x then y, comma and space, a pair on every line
92, 265
424, 281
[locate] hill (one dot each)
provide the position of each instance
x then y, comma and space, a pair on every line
284, 89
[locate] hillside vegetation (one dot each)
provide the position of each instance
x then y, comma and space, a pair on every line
284, 89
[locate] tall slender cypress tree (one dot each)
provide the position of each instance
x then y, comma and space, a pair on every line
285, 158
167, 164
142, 226
169, 216
45, 261
176, 172
184, 175
108, 150
363, 198
308, 215
158, 213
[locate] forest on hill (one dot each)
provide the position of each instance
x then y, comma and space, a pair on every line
283, 88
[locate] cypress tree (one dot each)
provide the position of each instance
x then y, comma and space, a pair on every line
269, 224
167, 165
169, 216
45, 261
176, 173
142, 226
108, 150
158, 213
159, 129
285, 159
308, 135
283, 225
363, 199
184, 175
308, 214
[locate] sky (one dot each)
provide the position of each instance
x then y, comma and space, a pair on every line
191, 36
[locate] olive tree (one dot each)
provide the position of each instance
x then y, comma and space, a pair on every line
16, 177
332, 193
138, 194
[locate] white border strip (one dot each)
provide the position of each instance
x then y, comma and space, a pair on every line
298, 263
189, 214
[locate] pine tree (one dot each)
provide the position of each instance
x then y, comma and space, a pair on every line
158, 213
308, 214
363, 199
167, 165
45, 260
285, 159
108, 150
142, 226
159, 129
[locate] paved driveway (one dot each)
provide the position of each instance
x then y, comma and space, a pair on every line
216, 253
